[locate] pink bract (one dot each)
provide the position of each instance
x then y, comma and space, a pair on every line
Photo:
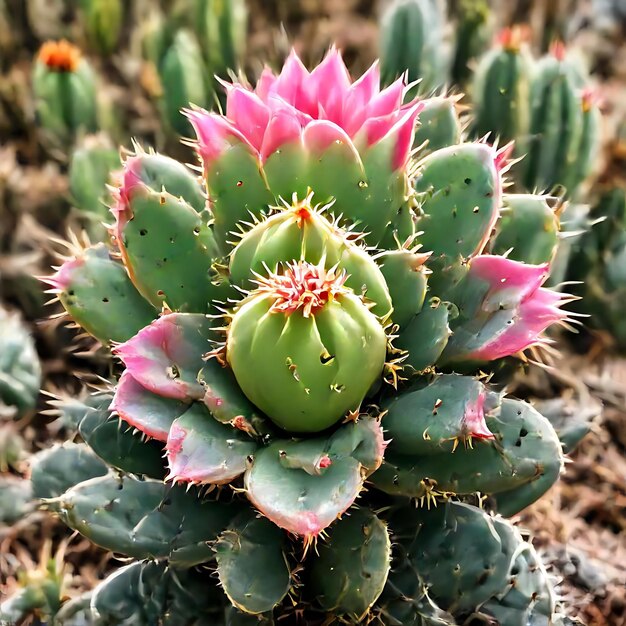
516, 287
283, 107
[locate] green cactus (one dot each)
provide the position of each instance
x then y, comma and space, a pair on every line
280, 343
103, 21
97, 293
54, 470
556, 138
495, 570
40, 591
522, 214
597, 260
472, 37
91, 166
501, 90
411, 34
20, 370
221, 28
64, 86
352, 566
16, 499
439, 124
183, 81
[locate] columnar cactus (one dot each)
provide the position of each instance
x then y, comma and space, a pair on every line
65, 92
296, 333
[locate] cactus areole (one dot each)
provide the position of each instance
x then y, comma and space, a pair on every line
293, 324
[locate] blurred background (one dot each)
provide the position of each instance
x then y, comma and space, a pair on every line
79, 78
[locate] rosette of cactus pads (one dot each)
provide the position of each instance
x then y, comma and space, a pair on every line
297, 333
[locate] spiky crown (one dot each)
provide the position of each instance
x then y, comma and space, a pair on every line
302, 287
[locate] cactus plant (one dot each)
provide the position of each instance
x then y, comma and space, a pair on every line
598, 262
410, 41
64, 87
20, 370
501, 89
286, 333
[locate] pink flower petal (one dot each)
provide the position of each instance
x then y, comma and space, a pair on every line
474, 423
404, 132
248, 113
294, 85
510, 282
215, 135
320, 134
359, 96
533, 317
387, 101
330, 81
285, 126
397, 127
265, 84
151, 414
166, 356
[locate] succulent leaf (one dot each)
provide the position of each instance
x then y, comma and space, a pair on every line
251, 564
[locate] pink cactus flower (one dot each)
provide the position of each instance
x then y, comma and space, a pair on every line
313, 109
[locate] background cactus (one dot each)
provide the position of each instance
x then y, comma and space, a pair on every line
326, 285
20, 371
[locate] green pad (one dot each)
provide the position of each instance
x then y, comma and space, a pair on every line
226, 401
16, 498
166, 357
526, 450
463, 555
351, 568
56, 469
116, 444
425, 337
145, 594
160, 172
528, 229
406, 279
382, 202
237, 190
460, 191
170, 252
528, 598
251, 564
439, 125
98, 295
300, 501
144, 519
433, 419
404, 601
201, 450
150, 414
362, 440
